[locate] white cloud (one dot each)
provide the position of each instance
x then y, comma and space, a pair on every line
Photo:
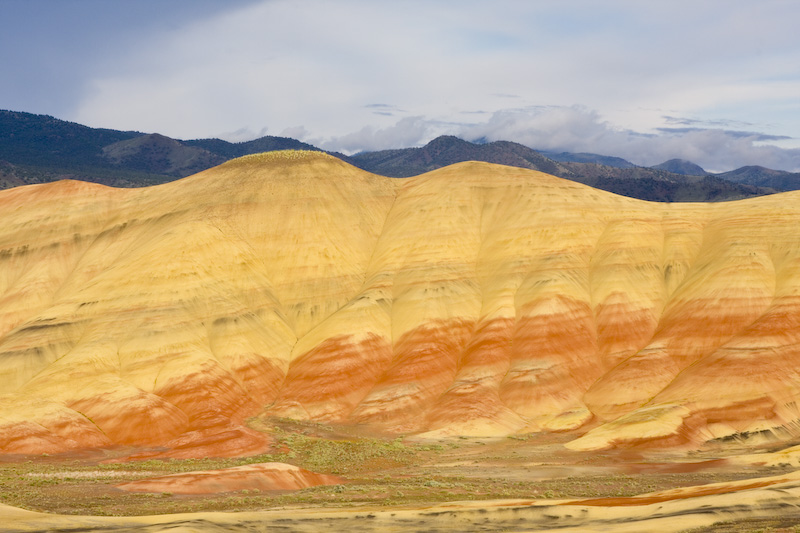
242, 135
407, 132
363, 75
296, 132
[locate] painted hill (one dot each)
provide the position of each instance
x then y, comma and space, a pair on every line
476, 299
264, 476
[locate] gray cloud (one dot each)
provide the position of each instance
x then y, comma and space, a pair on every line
65, 43
719, 123
385, 110
753, 135
337, 68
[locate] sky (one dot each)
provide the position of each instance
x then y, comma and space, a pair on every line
716, 82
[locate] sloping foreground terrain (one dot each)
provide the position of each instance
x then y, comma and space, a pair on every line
472, 300
689, 509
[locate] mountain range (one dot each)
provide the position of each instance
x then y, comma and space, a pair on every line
40, 148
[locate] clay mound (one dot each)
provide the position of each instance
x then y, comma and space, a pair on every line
476, 299
262, 476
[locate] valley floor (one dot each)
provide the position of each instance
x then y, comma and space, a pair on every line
529, 483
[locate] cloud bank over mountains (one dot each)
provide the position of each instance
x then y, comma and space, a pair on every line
578, 129
714, 82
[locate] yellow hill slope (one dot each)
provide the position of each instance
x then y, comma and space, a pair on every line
476, 299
